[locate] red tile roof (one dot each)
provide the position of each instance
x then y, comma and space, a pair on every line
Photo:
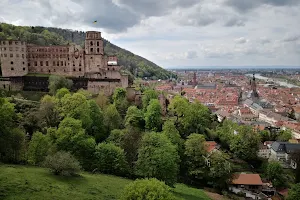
246, 179
210, 145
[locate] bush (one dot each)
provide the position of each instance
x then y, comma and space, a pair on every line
38, 148
147, 189
111, 159
62, 163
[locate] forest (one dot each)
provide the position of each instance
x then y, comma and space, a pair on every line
68, 132
134, 65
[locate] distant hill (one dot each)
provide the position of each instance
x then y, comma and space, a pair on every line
133, 64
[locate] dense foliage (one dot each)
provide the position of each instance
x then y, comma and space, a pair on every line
147, 189
134, 65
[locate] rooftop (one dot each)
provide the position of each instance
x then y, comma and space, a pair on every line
246, 179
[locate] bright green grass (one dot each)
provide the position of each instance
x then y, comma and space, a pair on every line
32, 183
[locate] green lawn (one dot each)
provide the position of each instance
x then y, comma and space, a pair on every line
32, 183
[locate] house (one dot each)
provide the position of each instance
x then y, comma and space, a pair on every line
264, 151
250, 185
222, 114
246, 114
281, 151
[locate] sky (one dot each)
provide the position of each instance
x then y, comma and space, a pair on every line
175, 33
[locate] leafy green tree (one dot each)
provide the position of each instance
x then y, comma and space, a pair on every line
48, 113
76, 106
134, 117
97, 127
120, 100
112, 119
195, 150
169, 129
153, 116
245, 143
62, 163
274, 172
39, 146
294, 192
116, 137
58, 82
284, 135
7, 114
265, 135
157, 158
147, 189
148, 95
110, 159
220, 170
60, 93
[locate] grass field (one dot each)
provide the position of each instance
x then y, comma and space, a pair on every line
32, 183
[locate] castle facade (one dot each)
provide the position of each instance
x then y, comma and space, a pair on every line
97, 71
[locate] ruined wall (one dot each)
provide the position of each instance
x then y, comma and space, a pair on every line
107, 87
13, 58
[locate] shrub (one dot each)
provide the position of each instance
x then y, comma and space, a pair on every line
62, 163
38, 148
111, 159
147, 189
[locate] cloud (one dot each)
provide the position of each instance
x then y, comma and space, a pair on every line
246, 5
291, 38
234, 21
241, 40
191, 55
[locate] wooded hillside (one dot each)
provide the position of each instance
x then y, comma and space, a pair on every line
135, 65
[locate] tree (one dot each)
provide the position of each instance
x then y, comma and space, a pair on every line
195, 150
58, 82
153, 116
147, 189
284, 135
169, 129
112, 119
62, 92
157, 157
245, 143
48, 113
76, 106
220, 170
274, 172
7, 114
116, 137
102, 100
97, 127
294, 192
120, 100
39, 146
110, 159
134, 117
62, 163
148, 95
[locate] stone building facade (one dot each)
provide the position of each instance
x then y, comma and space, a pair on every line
101, 72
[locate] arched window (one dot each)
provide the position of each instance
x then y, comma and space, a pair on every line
91, 43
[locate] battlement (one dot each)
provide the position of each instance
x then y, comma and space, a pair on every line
93, 35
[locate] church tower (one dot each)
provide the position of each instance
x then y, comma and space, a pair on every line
254, 94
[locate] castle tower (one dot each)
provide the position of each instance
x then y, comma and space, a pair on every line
195, 79
13, 57
94, 53
254, 94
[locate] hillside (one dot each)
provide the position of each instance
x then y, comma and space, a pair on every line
19, 182
133, 64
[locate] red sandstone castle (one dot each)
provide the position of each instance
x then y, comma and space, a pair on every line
88, 64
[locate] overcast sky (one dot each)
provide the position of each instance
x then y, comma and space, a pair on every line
178, 32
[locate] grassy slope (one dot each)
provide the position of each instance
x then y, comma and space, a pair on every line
20, 182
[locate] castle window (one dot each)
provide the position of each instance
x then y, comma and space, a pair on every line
65, 63
54, 70
11, 62
17, 55
23, 68
5, 55
73, 64
80, 64
92, 50
16, 42
53, 63
91, 43
97, 43
47, 63
4, 48
49, 71
80, 69
22, 55
57, 63
98, 50
23, 63
91, 57
11, 55
41, 63
3, 42
35, 63
10, 42
74, 69
28, 64
12, 69
62, 63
